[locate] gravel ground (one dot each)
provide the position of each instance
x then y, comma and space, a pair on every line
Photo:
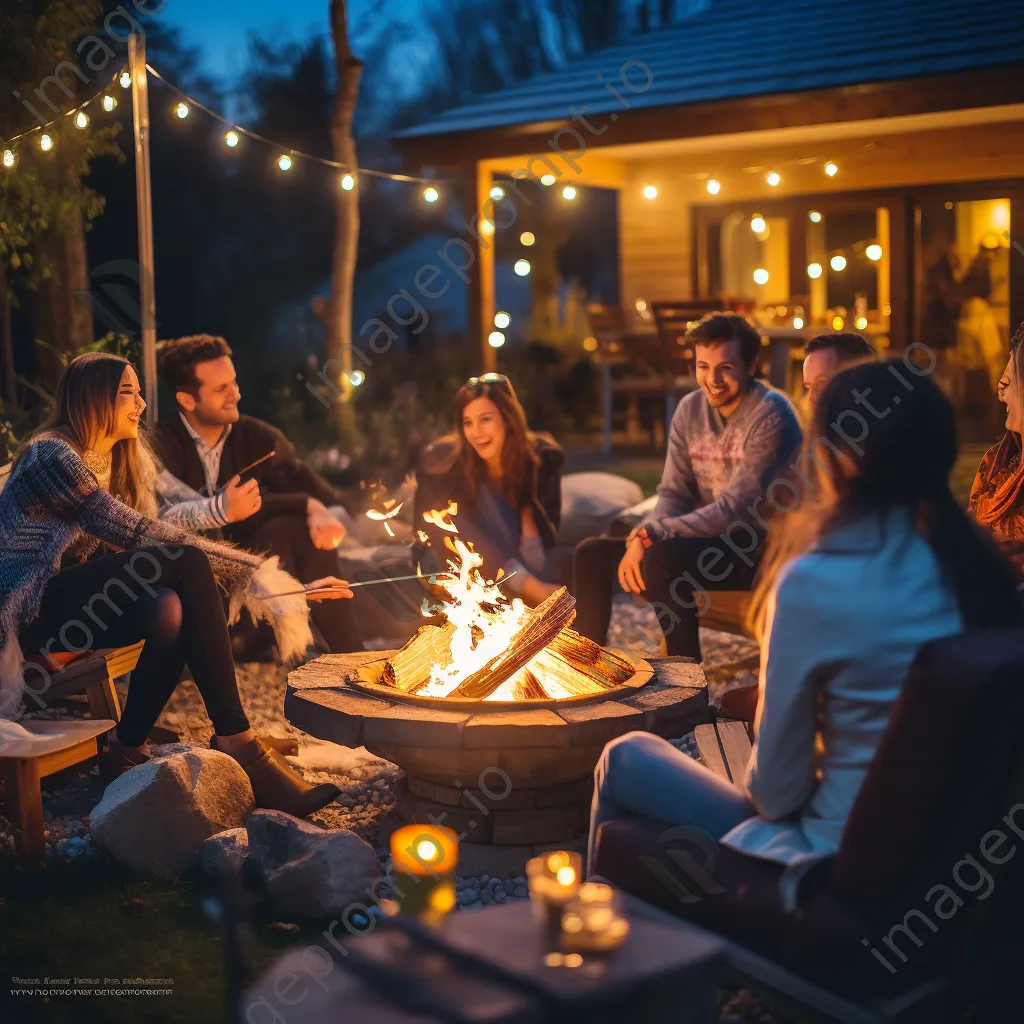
368, 784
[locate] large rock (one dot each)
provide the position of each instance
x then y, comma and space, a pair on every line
590, 501
223, 851
155, 817
308, 871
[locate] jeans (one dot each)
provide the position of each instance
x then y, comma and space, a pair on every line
167, 596
672, 576
642, 775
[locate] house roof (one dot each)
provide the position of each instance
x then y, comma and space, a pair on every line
736, 49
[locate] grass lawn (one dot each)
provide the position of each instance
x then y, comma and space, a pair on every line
96, 920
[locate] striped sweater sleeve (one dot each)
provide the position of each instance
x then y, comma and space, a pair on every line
181, 504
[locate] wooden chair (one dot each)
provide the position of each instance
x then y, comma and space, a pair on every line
24, 762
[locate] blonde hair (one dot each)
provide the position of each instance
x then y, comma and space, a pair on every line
85, 411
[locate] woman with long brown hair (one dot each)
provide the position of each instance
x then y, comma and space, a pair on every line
997, 495
874, 561
506, 482
86, 478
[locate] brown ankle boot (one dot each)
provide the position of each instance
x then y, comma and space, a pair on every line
278, 787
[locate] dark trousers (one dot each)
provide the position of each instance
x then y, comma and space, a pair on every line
672, 577
288, 538
166, 596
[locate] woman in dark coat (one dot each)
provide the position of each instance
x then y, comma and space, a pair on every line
506, 482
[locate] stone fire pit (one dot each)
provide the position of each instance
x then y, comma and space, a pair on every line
503, 774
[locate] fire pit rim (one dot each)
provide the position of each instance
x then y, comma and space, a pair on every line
365, 680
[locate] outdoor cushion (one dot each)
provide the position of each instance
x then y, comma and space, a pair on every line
590, 501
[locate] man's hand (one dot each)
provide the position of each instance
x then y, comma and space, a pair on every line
629, 567
241, 500
324, 530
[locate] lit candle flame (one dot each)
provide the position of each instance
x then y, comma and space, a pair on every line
565, 876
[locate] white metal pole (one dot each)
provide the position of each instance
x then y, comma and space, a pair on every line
143, 195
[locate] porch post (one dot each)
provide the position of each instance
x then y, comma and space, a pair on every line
480, 320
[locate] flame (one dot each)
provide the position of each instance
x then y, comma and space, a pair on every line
389, 510
443, 518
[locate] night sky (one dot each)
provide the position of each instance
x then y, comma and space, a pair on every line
221, 28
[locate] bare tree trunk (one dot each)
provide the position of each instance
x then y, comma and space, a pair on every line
346, 215
6, 339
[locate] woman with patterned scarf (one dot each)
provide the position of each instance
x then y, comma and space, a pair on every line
997, 495
86, 477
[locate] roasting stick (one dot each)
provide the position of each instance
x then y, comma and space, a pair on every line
373, 583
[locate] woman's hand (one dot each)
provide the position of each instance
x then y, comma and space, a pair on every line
341, 589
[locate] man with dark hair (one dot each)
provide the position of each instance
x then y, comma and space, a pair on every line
827, 354
208, 443
728, 441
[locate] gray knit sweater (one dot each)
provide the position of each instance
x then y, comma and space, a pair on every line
53, 505
717, 467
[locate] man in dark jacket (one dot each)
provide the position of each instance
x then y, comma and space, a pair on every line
280, 507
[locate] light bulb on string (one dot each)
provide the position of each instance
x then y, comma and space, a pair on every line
45, 142
125, 79
284, 162
815, 217
814, 270
8, 158
569, 192
860, 323
522, 267
109, 102
798, 323
502, 320
431, 195
831, 169
486, 226
873, 252
773, 178
81, 119
838, 323
356, 377
527, 238
714, 186
838, 263
650, 192
547, 180
761, 276
348, 182
758, 224
181, 110
231, 140
495, 339
497, 192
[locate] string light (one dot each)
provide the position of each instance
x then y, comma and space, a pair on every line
547, 180
356, 377
838, 263
798, 323
760, 276
873, 251
569, 192
502, 320
125, 80
831, 169
838, 323
650, 192
522, 267
815, 217
527, 238
284, 162
773, 178
757, 224
181, 110
231, 140
860, 323
590, 344
486, 226
495, 339
431, 195
814, 270
109, 102
8, 158
45, 143
81, 119
348, 182
497, 192
714, 187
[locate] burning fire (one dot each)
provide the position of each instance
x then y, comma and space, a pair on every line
483, 627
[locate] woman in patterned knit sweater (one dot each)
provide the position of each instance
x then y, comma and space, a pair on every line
87, 477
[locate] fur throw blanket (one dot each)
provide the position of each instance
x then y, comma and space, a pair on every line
53, 505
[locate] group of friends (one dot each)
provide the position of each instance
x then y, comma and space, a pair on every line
843, 526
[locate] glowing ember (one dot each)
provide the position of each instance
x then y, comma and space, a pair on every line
389, 510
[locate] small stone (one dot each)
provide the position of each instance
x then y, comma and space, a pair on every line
521, 892
499, 896
485, 879
486, 897
469, 895
473, 906
509, 886
519, 880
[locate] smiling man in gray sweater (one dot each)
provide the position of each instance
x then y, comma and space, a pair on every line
729, 440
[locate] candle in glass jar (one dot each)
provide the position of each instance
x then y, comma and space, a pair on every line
425, 858
594, 920
554, 879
